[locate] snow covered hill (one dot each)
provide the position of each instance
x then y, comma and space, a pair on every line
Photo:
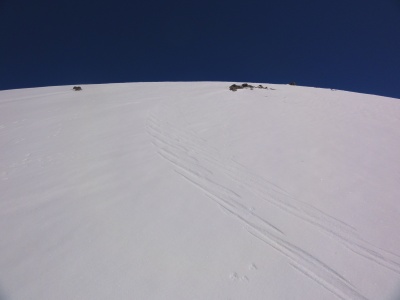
192, 191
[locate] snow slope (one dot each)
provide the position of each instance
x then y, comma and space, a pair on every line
191, 191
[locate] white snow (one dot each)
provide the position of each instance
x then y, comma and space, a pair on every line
191, 191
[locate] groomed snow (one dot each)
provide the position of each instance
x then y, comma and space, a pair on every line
191, 191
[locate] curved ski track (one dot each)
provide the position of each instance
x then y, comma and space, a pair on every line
216, 175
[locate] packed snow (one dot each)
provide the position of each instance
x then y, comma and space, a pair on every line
193, 191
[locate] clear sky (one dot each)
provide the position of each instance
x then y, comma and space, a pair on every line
352, 45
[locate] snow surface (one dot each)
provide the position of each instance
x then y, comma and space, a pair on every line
191, 191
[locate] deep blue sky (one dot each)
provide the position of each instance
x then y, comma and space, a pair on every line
352, 45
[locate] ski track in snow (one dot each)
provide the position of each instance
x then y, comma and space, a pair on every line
215, 174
